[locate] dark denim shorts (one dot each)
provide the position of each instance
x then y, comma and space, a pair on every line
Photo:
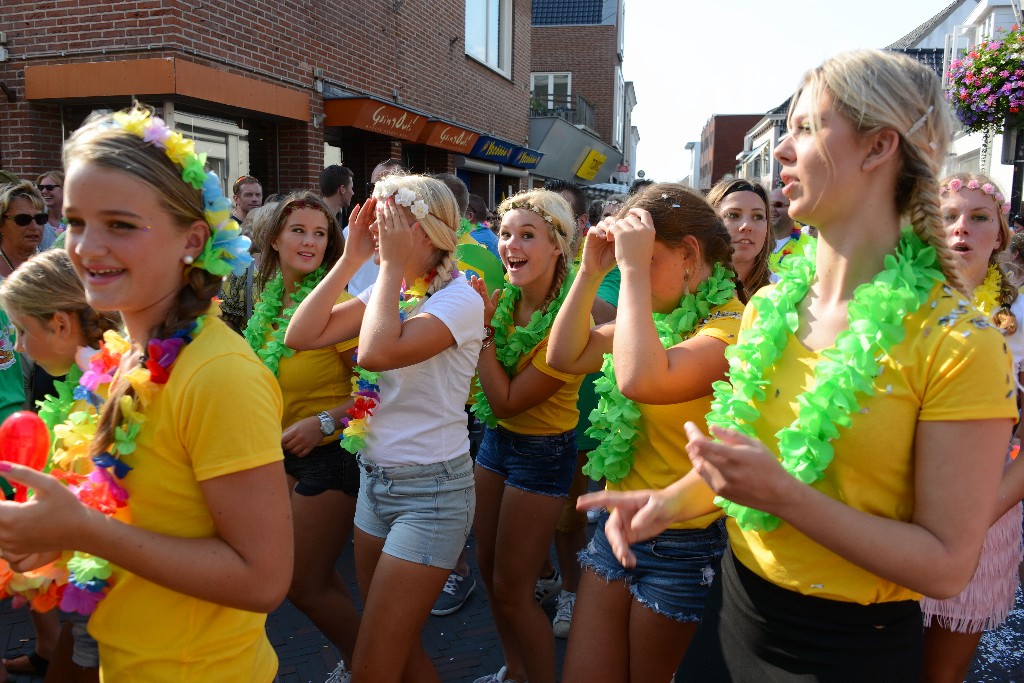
536, 463
673, 571
325, 468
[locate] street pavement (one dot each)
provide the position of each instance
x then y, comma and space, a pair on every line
464, 645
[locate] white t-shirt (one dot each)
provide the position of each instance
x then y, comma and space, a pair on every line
364, 277
421, 418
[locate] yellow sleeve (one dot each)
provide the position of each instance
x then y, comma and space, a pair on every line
540, 361
222, 434
723, 323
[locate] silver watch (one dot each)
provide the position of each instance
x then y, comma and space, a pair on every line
326, 423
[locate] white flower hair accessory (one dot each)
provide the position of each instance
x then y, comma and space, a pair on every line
407, 198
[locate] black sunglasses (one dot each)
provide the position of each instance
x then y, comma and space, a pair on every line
24, 219
48, 188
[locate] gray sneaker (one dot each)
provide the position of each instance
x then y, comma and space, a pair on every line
454, 594
563, 614
340, 675
548, 587
493, 678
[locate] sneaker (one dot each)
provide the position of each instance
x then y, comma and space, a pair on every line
493, 678
549, 587
563, 614
454, 594
340, 675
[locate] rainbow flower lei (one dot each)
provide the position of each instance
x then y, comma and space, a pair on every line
614, 420
510, 347
227, 250
875, 319
268, 312
365, 387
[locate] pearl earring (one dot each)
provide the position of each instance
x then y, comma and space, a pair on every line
188, 259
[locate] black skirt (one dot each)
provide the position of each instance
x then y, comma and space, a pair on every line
754, 630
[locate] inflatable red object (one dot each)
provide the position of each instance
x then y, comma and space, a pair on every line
24, 440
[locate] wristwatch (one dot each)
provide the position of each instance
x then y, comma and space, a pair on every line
326, 423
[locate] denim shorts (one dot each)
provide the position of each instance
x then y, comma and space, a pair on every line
673, 571
424, 512
536, 463
325, 468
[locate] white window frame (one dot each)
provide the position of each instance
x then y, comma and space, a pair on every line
551, 85
503, 60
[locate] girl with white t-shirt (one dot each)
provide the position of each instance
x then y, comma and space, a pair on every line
418, 347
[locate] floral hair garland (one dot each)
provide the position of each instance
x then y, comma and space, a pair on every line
955, 185
226, 250
548, 218
407, 198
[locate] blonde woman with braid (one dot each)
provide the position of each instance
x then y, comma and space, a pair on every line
181, 589
678, 312
975, 212
418, 346
856, 381
46, 303
525, 465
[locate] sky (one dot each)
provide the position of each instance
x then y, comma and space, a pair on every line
690, 59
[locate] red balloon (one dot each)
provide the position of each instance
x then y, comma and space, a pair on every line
24, 440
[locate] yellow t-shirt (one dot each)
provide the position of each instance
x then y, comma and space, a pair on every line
556, 415
660, 445
218, 414
314, 381
952, 365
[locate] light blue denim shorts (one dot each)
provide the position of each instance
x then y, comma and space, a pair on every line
424, 512
673, 571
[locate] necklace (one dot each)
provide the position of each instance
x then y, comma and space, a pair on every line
365, 388
6, 260
510, 347
267, 313
615, 419
874, 325
986, 295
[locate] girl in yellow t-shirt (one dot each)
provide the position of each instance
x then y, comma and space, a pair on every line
974, 213
46, 304
195, 472
743, 206
678, 311
528, 456
299, 245
855, 383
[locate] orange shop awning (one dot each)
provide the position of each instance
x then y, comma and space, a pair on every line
374, 116
448, 136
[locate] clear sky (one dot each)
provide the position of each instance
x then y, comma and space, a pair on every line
689, 59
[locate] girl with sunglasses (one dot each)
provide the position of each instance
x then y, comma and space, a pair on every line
24, 215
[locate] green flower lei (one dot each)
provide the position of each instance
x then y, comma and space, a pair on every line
614, 420
465, 227
54, 410
268, 312
874, 325
511, 347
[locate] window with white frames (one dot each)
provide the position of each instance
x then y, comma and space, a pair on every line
489, 33
551, 90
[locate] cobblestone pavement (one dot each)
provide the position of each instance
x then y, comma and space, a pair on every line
464, 645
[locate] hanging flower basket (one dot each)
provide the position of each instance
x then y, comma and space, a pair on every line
986, 86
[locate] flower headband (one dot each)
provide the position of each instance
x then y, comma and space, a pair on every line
955, 185
530, 207
407, 198
226, 250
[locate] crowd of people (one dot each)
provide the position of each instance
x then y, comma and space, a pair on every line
801, 401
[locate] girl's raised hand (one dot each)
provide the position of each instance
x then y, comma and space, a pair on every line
490, 300
598, 249
395, 235
739, 468
634, 238
359, 245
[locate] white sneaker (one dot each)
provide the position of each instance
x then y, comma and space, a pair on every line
549, 587
493, 678
563, 614
340, 675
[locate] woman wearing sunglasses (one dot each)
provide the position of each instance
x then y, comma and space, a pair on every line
24, 215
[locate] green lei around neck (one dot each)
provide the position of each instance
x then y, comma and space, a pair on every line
875, 319
267, 313
54, 410
465, 227
614, 420
511, 347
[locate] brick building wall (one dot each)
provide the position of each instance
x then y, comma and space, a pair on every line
720, 141
416, 53
589, 52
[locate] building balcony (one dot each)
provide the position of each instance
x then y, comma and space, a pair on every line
572, 108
